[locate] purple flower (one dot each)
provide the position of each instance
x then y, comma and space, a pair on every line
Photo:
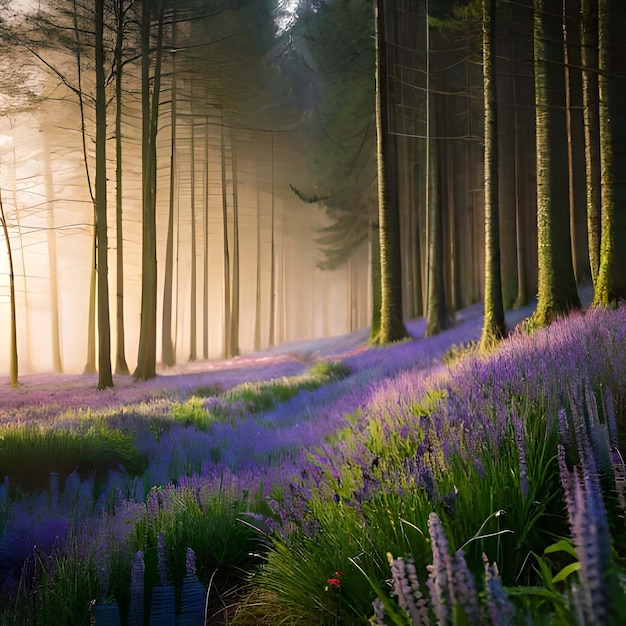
162, 558
190, 561
500, 608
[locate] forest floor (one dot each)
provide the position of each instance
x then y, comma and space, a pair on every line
288, 359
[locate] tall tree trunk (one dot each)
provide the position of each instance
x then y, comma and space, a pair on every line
591, 116
234, 325
437, 314
121, 367
13, 362
494, 326
611, 283
391, 323
146, 360
205, 255
193, 312
272, 312
257, 299
557, 285
168, 353
575, 141
105, 377
227, 317
55, 326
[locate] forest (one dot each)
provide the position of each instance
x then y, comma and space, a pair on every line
312, 312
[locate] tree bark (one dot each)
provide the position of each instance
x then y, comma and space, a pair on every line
193, 312
146, 360
610, 286
591, 116
234, 312
226, 263
121, 367
105, 377
557, 291
494, 326
391, 323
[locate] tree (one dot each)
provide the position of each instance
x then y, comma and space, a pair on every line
557, 291
494, 325
610, 286
105, 377
591, 116
391, 323
146, 359
121, 8
13, 342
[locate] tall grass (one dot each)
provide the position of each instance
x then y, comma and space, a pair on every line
385, 489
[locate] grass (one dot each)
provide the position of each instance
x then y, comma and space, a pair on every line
28, 455
478, 482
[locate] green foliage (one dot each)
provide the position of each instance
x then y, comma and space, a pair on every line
192, 412
94, 451
456, 353
326, 371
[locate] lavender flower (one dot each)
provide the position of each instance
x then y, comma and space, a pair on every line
190, 561
465, 588
520, 441
440, 572
135, 613
406, 588
162, 559
500, 608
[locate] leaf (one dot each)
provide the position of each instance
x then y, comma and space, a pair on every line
564, 545
566, 571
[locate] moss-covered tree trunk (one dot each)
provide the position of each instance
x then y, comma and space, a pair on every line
591, 116
494, 326
391, 323
557, 291
610, 286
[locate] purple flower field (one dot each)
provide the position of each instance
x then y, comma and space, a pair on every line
435, 487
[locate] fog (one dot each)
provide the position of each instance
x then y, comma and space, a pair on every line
49, 215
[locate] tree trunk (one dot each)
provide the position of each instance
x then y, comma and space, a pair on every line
193, 312
205, 255
55, 335
121, 367
611, 283
436, 315
557, 285
105, 377
146, 360
391, 323
168, 353
227, 318
575, 142
13, 363
494, 326
234, 325
272, 312
591, 116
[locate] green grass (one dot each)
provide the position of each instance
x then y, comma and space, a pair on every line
28, 455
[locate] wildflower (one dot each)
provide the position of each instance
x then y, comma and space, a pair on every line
162, 559
334, 582
190, 561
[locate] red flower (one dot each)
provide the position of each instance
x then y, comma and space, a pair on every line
335, 582
339, 573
